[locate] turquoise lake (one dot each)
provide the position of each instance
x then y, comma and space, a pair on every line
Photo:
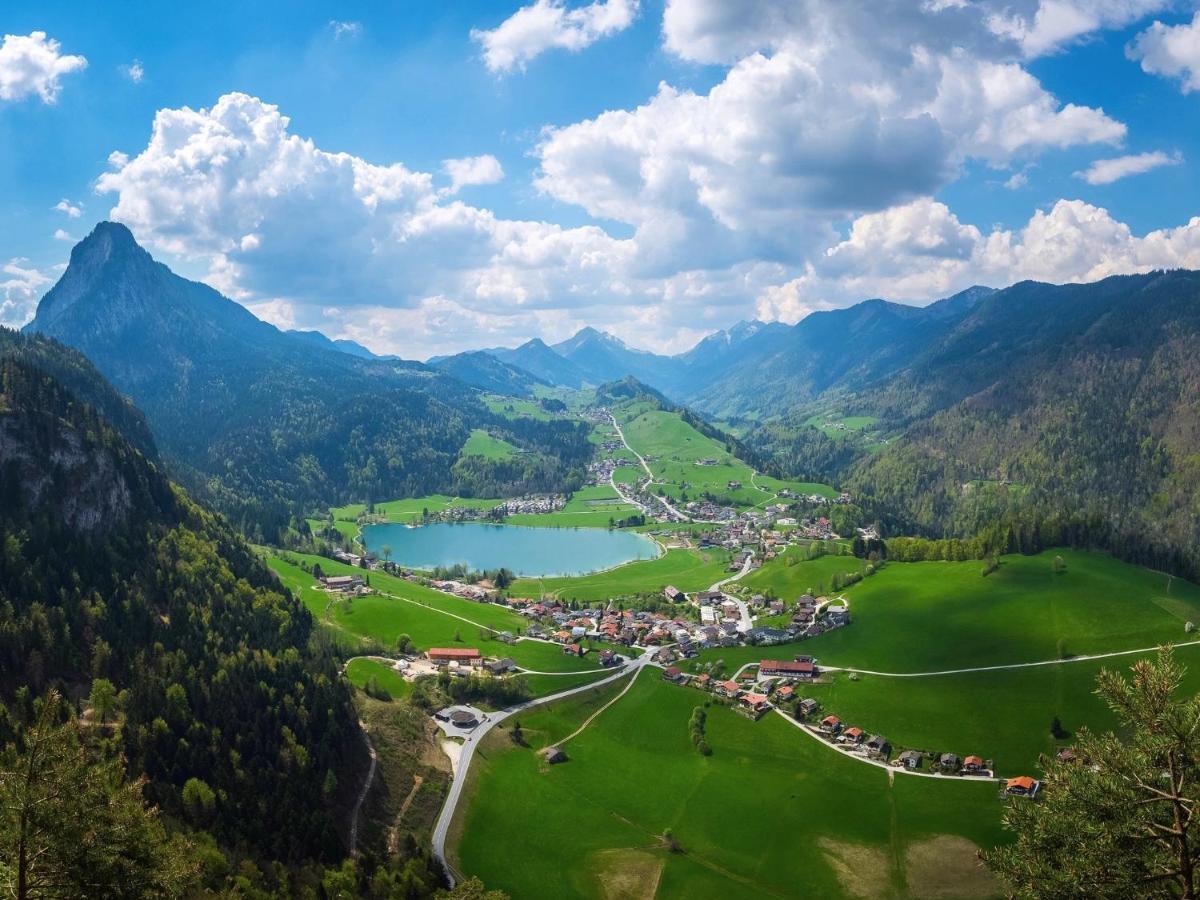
531, 552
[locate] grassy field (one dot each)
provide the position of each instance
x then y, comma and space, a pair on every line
382, 619
688, 570
917, 617
771, 813
790, 575
409, 509
480, 443
1004, 716
361, 670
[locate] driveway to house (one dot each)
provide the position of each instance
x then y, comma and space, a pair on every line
442, 827
745, 622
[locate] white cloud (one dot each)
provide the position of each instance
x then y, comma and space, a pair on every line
1052, 24
472, 170
20, 287
32, 65
1170, 51
549, 24
61, 235
134, 71
921, 252
1106, 171
275, 218
784, 146
69, 209
1017, 180
345, 29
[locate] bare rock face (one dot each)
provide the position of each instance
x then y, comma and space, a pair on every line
57, 470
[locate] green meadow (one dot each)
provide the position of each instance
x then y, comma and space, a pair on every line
771, 813
929, 616
1001, 715
789, 575
480, 443
362, 670
688, 570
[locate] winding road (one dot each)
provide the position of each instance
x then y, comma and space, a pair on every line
442, 827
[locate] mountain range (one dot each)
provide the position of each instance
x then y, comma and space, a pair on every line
267, 423
753, 370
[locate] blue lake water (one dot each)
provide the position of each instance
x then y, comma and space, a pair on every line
531, 552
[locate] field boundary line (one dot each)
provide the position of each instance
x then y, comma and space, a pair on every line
1026, 665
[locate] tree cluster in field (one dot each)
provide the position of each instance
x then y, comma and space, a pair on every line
696, 730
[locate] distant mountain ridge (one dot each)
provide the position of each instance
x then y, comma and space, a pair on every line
262, 421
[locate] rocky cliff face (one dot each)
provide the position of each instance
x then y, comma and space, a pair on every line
59, 471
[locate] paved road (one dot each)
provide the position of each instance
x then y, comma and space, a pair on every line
746, 621
684, 517
442, 827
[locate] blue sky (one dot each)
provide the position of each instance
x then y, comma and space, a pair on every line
658, 169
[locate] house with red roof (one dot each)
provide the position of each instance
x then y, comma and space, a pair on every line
1022, 786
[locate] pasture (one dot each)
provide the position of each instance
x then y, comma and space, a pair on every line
919, 617
480, 443
771, 813
688, 570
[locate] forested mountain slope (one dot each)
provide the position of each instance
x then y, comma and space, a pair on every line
109, 571
1056, 404
265, 423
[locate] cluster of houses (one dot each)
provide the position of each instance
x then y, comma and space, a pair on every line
534, 504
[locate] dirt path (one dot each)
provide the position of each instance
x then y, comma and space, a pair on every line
366, 788
393, 841
588, 721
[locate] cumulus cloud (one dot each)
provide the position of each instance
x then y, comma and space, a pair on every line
1051, 24
62, 235
1170, 51
1106, 171
69, 209
134, 71
274, 216
21, 284
550, 24
786, 144
32, 65
921, 251
472, 170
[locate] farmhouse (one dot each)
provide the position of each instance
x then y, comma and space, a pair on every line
852, 735
574, 649
808, 706
674, 594
445, 655
771, 668
500, 666
1022, 786
972, 764
831, 724
951, 762
343, 582
672, 673
911, 759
